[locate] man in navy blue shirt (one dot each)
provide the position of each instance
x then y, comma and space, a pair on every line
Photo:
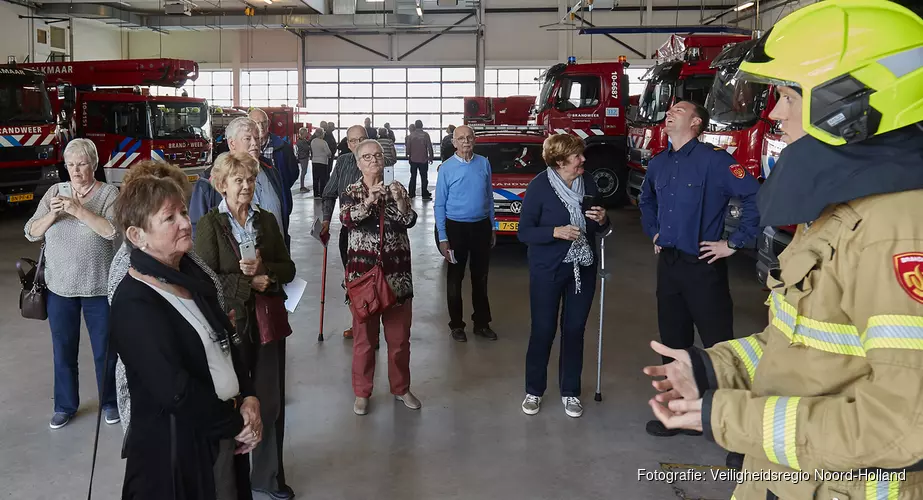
683, 203
465, 226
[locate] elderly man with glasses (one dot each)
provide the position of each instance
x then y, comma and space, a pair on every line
344, 174
465, 223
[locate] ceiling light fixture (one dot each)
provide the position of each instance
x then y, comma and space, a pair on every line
743, 6
268, 2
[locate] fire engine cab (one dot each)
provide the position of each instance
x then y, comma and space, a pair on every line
28, 136
109, 103
682, 73
586, 100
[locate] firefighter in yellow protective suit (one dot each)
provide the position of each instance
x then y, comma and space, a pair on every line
827, 402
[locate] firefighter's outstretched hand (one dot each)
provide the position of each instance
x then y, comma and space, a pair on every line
679, 382
679, 414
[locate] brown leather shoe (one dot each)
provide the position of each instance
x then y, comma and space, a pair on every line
348, 334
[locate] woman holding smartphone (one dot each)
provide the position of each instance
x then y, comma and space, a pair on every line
74, 220
244, 245
560, 222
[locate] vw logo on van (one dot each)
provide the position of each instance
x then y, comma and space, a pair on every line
516, 207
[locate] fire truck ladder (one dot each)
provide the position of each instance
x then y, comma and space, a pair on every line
135, 72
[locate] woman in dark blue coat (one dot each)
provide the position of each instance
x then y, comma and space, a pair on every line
560, 219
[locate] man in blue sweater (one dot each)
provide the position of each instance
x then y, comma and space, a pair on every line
465, 222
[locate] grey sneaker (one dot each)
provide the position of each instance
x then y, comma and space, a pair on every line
59, 420
532, 404
572, 407
112, 415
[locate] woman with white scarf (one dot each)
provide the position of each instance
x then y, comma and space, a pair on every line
560, 219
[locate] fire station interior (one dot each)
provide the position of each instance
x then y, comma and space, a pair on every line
395, 62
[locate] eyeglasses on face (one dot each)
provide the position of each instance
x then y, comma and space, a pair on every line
369, 156
465, 138
82, 164
355, 140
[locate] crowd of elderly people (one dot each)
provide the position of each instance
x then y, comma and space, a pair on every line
187, 320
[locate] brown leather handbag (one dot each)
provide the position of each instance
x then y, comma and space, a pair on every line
33, 296
370, 294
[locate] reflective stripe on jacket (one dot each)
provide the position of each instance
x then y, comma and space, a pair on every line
835, 381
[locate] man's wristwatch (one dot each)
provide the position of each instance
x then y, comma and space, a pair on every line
732, 246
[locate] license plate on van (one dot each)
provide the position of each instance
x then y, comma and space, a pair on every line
19, 198
507, 226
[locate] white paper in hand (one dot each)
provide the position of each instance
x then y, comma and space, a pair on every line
294, 291
316, 228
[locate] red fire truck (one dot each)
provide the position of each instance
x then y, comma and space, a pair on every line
109, 103
29, 154
682, 73
587, 100
740, 121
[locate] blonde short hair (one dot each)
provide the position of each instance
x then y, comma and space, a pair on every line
82, 147
228, 164
160, 170
558, 147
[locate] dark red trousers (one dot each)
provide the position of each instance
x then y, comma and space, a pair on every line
397, 322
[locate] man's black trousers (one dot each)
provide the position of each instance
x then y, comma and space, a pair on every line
423, 168
469, 239
692, 294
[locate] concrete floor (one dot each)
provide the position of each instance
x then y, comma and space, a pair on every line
470, 440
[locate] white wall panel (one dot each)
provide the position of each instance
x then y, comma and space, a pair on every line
15, 34
94, 40
200, 46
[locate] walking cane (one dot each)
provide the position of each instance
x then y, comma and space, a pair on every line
323, 293
602, 308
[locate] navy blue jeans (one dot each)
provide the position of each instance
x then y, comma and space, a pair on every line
549, 294
64, 320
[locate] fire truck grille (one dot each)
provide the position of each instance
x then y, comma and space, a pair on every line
16, 176
23, 153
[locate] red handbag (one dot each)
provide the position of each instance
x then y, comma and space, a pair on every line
271, 315
370, 294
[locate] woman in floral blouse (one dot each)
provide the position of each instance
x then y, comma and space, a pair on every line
361, 215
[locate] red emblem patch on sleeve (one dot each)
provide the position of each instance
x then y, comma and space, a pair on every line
738, 171
908, 267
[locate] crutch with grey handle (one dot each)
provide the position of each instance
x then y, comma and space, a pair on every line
603, 274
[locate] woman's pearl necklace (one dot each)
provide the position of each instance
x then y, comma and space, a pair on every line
85, 193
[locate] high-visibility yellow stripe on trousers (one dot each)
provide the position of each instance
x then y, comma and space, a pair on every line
780, 419
881, 490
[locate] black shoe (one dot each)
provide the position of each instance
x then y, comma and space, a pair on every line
485, 332
458, 334
656, 428
427, 196
285, 493
734, 461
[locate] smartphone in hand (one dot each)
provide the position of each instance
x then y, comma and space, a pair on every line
65, 190
388, 175
248, 250
590, 202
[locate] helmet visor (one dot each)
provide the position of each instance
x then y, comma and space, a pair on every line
765, 80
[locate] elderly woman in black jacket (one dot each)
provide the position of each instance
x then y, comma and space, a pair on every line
192, 407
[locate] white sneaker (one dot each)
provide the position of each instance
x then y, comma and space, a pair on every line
532, 404
572, 407
361, 406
